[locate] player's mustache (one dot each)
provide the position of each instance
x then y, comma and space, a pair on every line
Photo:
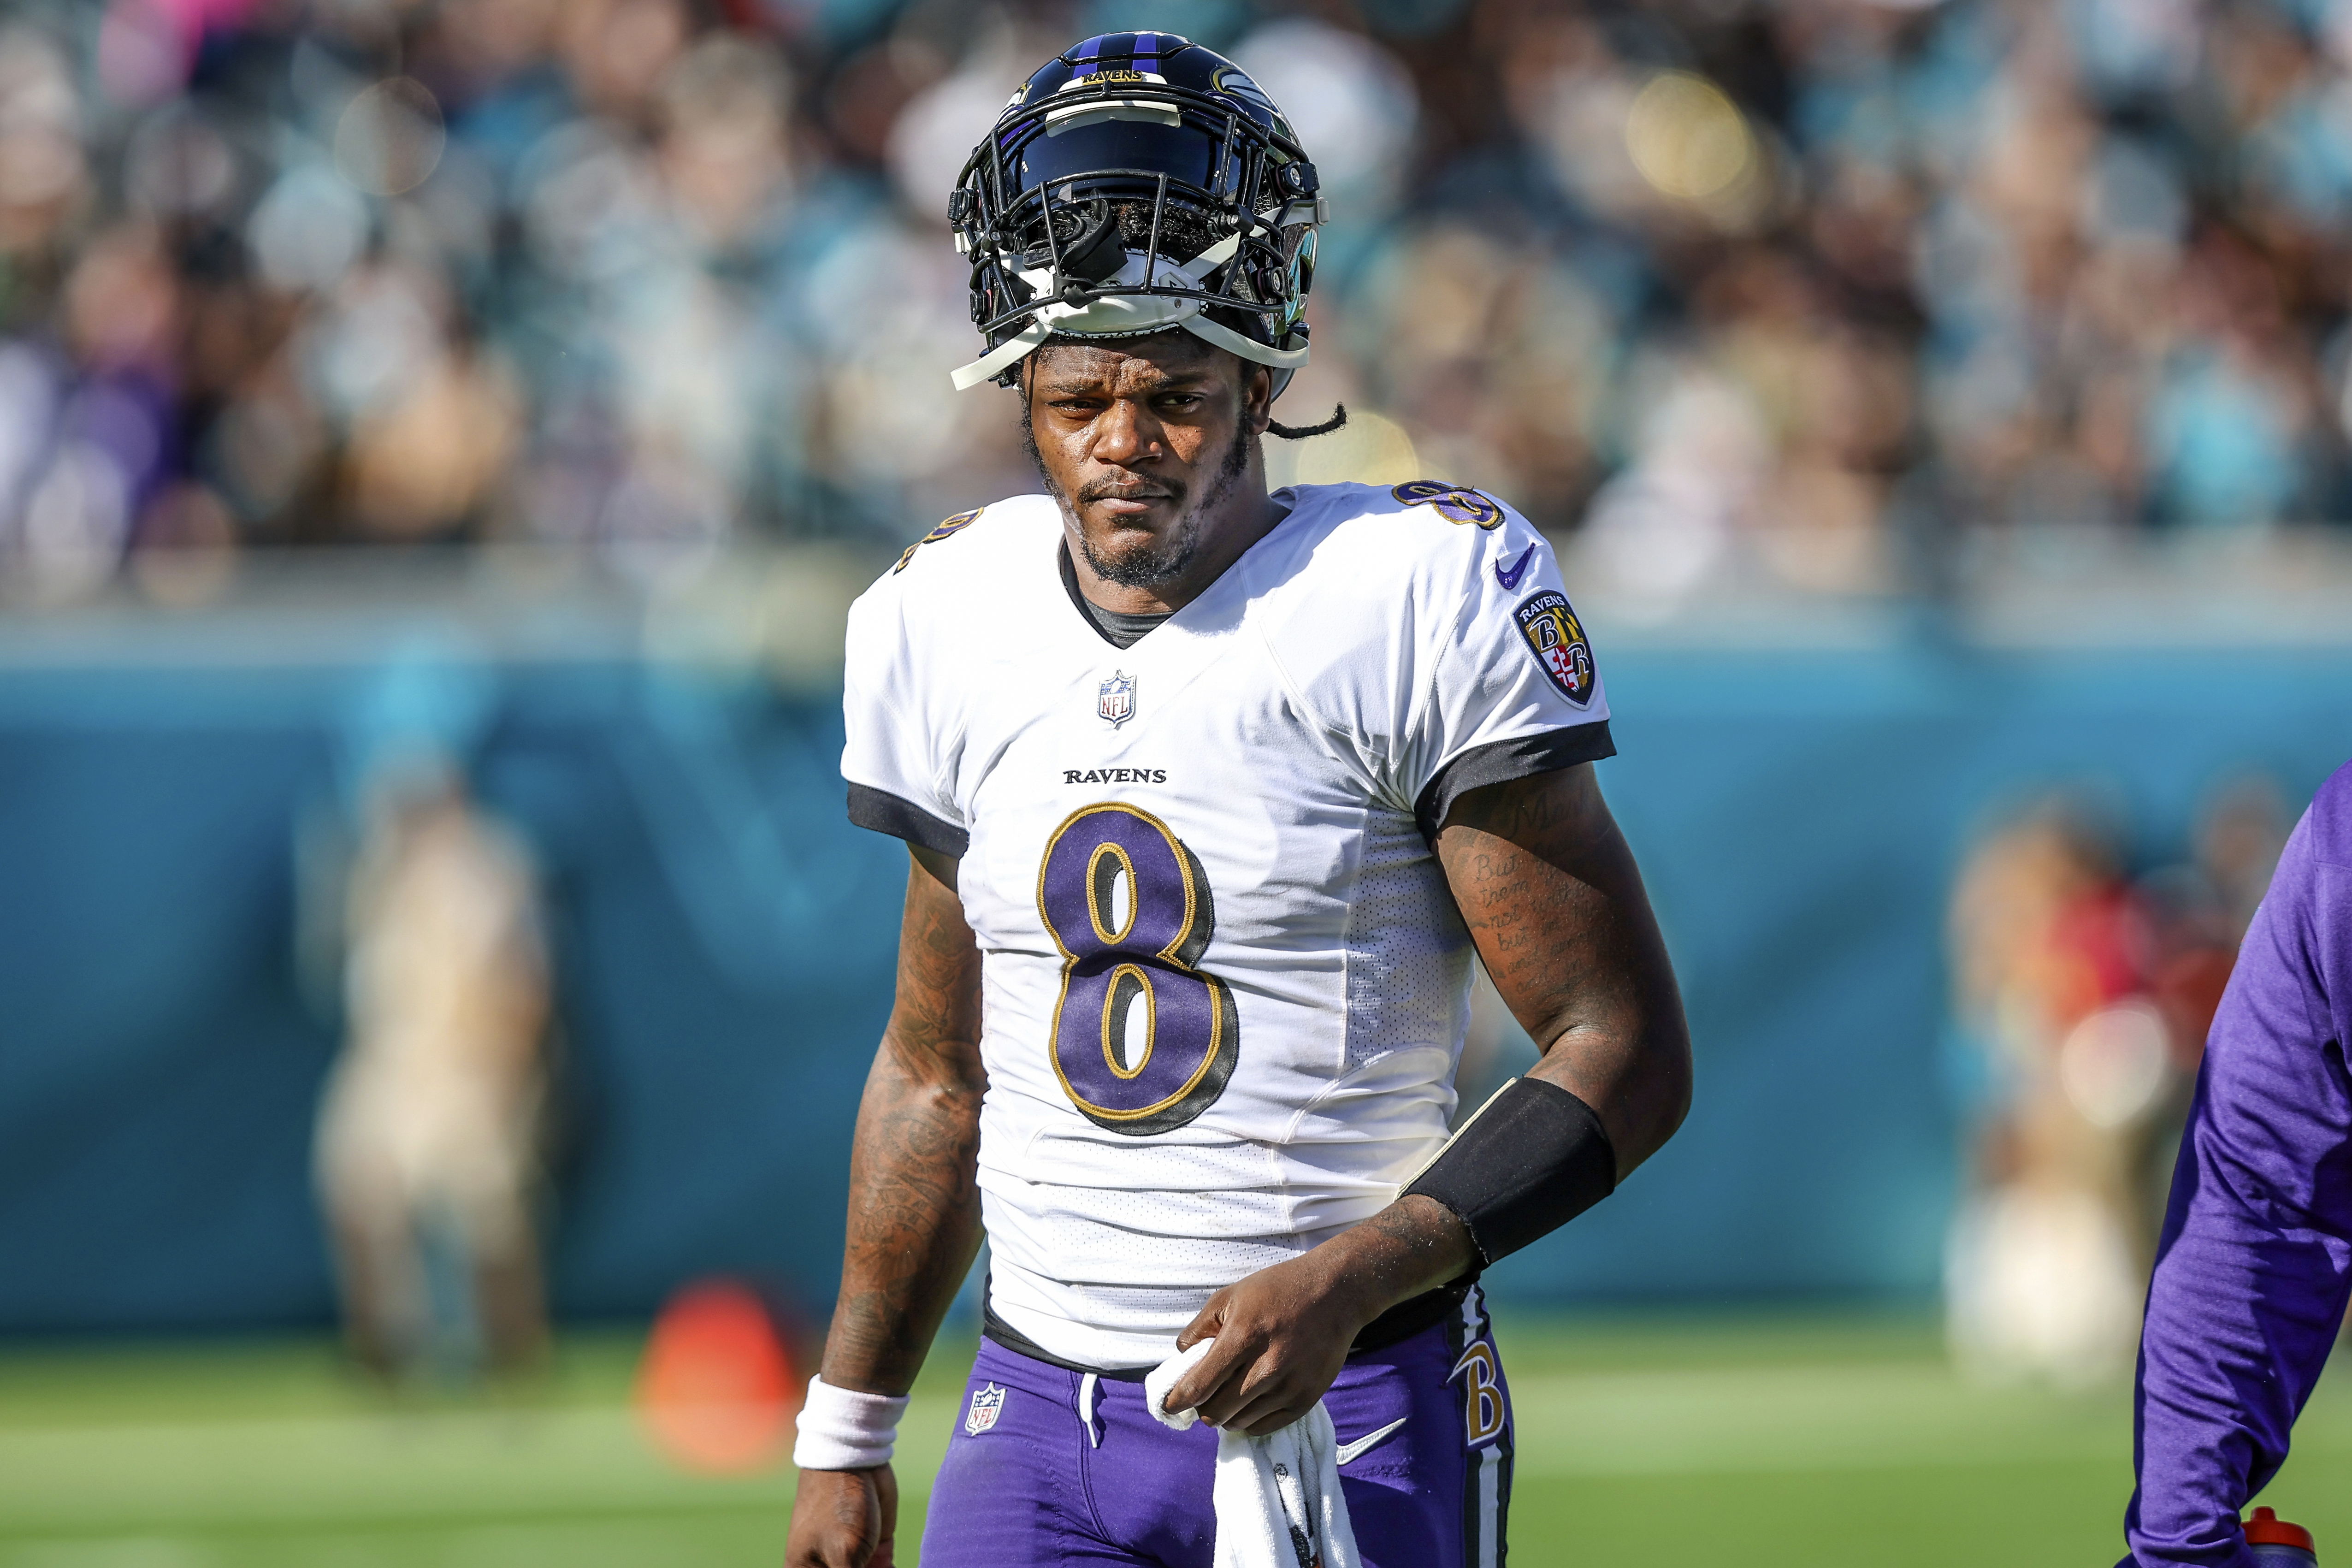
1106, 490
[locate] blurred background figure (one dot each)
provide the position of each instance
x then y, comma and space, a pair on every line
2084, 996
2045, 1256
429, 1133
428, 1137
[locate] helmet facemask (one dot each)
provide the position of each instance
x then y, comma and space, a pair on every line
1120, 204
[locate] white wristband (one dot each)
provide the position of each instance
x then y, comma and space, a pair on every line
842, 1429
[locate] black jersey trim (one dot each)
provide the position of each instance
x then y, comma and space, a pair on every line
1500, 761
1019, 1343
886, 813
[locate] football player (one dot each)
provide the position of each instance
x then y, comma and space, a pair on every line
1210, 795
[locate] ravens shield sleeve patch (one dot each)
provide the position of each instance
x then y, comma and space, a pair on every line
1557, 639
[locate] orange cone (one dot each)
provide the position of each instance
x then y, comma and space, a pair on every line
718, 1390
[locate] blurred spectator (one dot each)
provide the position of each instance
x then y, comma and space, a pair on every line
2049, 949
428, 1135
2085, 997
423, 911
1740, 281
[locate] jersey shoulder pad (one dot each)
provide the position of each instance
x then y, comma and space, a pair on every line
966, 540
1374, 560
948, 529
951, 574
1362, 566
1398, 535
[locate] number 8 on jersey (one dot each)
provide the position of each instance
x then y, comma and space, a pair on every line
1115, 963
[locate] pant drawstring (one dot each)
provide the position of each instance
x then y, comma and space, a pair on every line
1087, 1385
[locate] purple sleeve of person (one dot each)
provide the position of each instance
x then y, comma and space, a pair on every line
2256, 1257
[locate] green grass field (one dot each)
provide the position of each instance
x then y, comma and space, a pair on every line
1813, 1441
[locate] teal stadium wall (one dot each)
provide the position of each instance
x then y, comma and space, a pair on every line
725, 946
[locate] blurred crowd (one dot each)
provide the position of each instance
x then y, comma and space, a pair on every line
2083, 994
1796, 288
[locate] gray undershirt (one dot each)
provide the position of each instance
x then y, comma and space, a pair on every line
1118, 628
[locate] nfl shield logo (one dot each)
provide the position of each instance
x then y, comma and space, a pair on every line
1116, 700
987, 1404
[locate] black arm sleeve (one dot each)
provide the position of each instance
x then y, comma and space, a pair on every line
1532, 1159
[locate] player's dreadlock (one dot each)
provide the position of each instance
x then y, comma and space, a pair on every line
1300, 432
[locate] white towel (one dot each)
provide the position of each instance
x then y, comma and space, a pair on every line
1276, 1498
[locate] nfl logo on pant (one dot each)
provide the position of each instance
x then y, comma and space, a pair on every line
987, 1404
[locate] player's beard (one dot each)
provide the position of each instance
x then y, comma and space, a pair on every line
1142, 563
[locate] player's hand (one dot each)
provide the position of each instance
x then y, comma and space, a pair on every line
1282, 1335
1284, 1332
844, 1518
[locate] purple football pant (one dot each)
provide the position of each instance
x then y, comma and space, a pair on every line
1037, 1483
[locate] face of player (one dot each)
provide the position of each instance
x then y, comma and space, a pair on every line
1152, 446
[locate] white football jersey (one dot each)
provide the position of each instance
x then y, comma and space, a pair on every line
1225, 982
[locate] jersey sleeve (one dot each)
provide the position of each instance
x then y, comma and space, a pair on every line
897, 756
2254, 1264
1512, 690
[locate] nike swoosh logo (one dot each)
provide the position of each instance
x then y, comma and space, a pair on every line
1347, 1451
1508, 576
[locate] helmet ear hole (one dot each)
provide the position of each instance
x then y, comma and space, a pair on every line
1087, 238
1101, 254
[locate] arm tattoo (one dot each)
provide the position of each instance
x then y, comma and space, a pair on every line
914, 1197
1555, 905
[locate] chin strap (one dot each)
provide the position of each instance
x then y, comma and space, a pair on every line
1250, 349
1000, 358
1116, 316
